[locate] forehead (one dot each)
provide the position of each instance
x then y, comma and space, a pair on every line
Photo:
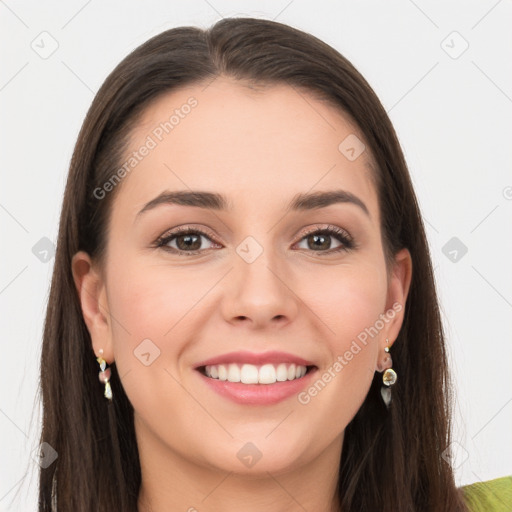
262, 143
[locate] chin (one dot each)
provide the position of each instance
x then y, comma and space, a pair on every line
257, 457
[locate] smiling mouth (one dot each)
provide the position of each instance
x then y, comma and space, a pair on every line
255, 374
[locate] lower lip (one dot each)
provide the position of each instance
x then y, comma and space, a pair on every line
258, 394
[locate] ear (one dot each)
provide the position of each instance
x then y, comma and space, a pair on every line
92, 294
398, 290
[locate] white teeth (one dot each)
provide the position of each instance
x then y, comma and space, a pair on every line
267, 374
233, 373
282, 373
252, 374
223, 372
249, 374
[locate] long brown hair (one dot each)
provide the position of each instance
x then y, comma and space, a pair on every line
392, 459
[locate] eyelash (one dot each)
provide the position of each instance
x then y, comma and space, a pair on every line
342, 236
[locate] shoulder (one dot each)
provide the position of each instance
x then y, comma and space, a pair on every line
490, 496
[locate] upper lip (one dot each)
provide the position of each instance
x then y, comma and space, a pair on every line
255, 358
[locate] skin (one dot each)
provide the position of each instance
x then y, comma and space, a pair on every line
260, 149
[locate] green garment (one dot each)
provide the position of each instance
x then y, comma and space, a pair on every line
491, 496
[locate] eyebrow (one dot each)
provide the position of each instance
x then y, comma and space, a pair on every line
219, 202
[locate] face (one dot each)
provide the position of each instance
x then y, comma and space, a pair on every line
266, 280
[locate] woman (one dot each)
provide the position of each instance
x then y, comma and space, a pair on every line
242, 262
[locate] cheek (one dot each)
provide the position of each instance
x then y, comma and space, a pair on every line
152, 309
151, 313
150, 301
350, 312
348, 300
350, 308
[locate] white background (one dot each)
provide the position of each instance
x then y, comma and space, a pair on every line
453, 118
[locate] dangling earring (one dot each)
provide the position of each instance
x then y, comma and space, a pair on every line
104, 375
389, 378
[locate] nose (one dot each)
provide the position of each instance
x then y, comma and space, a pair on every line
260, 293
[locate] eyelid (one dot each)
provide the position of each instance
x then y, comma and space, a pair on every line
188, 228
327, 227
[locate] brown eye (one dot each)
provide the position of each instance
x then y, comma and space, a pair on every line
321, 240
186, 241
